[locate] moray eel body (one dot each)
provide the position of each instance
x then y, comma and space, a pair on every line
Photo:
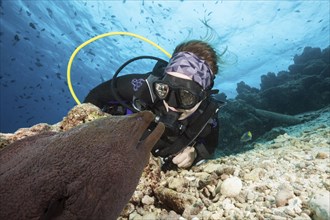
88, 172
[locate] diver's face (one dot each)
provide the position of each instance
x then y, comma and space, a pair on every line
189, 99
179, 91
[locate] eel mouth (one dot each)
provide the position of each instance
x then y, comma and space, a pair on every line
153, 130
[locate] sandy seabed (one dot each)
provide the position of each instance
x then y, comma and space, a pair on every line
286, 178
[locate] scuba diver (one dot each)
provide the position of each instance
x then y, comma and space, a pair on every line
179, 93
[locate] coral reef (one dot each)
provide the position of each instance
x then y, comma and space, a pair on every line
305, 87
77, 115
280, 102
286, 178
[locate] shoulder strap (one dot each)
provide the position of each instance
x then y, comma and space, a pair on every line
192, 131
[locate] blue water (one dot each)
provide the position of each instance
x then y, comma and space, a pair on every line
38, 37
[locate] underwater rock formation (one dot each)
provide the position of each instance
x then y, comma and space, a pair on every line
79, 114
238, 117
298, 158
87, 172
280, 101
305, 87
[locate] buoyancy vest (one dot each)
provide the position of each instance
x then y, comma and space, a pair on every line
191, 130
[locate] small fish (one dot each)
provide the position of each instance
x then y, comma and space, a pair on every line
58, 75
247, 136
38, 64
50, 12
32, 25
29, 119
16, 38
102, 79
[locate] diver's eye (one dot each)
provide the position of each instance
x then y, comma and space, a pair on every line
162, 90
187, 98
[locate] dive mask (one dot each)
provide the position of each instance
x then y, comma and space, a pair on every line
179, 93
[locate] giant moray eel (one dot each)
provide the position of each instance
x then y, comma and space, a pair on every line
88, 172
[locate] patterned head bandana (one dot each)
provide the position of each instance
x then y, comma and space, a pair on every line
192, 66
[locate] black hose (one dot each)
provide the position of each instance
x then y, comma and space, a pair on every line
113, 88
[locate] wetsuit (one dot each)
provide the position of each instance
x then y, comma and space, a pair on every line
194, 130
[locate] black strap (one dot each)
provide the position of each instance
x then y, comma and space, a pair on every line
190, 134
114, 79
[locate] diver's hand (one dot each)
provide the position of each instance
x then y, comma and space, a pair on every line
185, 158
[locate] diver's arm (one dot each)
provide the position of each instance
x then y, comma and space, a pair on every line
100, 95
127, 86
203, 147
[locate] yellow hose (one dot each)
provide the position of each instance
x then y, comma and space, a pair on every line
99, 37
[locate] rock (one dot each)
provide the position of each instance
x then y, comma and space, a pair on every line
284, 92
149, 216
283, 195
77, 115
314, 66
227, 204
129, 208
6, 139
174, 200
322, 155
206, 215
217, 215
177, 184
203, 179
296, 68
254, 175
193, 210
250, 196
320, 205
137, 196
147, 200
309, 53
135, 216
212, 168
231, 187
303, 216
81, 114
